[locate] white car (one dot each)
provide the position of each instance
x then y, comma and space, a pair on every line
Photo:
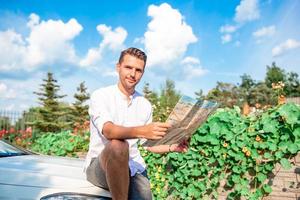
25, 175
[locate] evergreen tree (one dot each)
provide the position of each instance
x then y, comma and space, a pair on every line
50, 115
200, 95
169, 96
163, 103
80, 110
167, 100
150, 95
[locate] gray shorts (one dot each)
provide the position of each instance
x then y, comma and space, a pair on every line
139, 187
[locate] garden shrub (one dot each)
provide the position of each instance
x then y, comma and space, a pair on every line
64, 143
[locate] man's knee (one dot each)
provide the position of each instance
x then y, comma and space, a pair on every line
119, 149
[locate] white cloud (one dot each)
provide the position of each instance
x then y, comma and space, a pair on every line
167, 36
192, 68
226, 38
228, 28
48, 42
12, 50
190, 60
110, 73
264, 31
112, 39
247, 10
282, 48
93, 56
7, 93
140, 40
34, 20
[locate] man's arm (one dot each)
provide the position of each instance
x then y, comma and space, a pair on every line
154, 130
160, 149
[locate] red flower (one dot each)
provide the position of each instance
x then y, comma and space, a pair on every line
12, 130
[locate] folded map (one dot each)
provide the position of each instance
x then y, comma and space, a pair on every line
187, 115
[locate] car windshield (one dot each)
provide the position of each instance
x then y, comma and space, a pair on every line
7, 150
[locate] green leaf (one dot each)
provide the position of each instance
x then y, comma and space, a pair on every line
229, 136
278, 154
261, 177
196, 172
267, 188
272, 146
211, 160
296, 132
270, 127
293, 148
240, 144
236, 169
290, 112
285, 164
269, 166
267, 155
284, 137
236, 178
213, 140
215, 127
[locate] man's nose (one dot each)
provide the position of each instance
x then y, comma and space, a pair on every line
132, 72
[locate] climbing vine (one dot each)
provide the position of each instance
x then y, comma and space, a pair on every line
230, 154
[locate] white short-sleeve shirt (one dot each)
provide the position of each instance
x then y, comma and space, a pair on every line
110, 104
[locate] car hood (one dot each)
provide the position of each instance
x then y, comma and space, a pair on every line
43, 171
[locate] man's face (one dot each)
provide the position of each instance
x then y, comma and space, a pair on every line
130, 71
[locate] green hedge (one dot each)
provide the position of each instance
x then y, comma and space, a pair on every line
64, 143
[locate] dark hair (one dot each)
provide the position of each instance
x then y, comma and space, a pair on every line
133, 52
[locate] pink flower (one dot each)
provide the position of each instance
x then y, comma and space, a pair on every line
28, 129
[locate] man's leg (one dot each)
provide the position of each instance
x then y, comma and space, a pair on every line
139, 188
114, 161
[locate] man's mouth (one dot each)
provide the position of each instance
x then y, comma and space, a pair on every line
131, 80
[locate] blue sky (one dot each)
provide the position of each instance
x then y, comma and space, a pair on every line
194, 43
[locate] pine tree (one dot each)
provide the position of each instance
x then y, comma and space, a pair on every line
51, 117
169, 95
168, 98
149, 94
80, 110
200, 95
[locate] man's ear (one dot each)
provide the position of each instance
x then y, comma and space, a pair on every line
118, 67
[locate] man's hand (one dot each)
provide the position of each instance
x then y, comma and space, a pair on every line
165, 148
182, 147
153, 131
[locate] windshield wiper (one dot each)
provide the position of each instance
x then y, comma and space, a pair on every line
9, 154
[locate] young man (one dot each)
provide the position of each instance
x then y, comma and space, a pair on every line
120, 116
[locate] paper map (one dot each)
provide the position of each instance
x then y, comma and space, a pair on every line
187, 115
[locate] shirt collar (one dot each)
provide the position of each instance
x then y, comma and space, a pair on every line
124, 97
